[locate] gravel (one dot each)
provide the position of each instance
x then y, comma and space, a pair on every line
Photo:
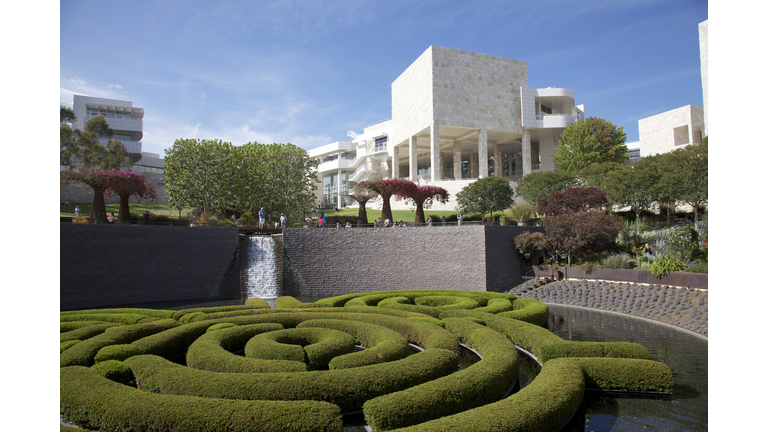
678, 306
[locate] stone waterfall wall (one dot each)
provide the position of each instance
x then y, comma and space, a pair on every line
116, 265
333, 261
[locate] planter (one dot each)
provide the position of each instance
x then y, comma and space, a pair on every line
686, 279
504, 223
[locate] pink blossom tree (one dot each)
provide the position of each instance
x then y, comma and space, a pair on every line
116, 182
424, 197
126, 185
387, 188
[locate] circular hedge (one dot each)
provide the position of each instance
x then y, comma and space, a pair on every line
393, 355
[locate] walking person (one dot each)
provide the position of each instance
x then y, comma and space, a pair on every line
429, 221
262, 217
443, 220
111, 217
461, 219
77, 210
283, 220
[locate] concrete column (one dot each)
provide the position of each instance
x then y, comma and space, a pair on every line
527, 153
434, 145
457, 160
413, 169
338, 190
396, 163
473, 165
482, 153
498, 163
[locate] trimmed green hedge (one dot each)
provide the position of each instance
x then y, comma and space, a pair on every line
94, 402
86, 332
382, 344
67, 326
258, 303
318, 346
544, 405
481, 297
63, 346
545, 345
212, 351
447, 302
84, 352
160, 313
288, 302
114, 370
484, 382
347, 388
626, 374
497, 305
426, 310
528, 310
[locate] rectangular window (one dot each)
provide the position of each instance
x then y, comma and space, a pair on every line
381, 144
546, 109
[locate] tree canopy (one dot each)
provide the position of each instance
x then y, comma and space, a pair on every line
424, 197
573, 200
217, 177
127, 185
486, 195
589, 141
386, 189
82, 151
634, 186
120, 183
542, 184
362, 195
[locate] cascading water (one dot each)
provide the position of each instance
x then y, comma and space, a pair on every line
262, 270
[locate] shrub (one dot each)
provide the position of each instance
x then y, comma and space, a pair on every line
114, 370
579, 233
95, 402
532, 246
220, 326
116, 352
86, 332
666, 264
63, 346
317, 345
258, 303
684, 243
521, 212
618, 261
447, 302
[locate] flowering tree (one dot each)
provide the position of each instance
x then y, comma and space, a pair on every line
111, 182
424, 197
126, 184
362, 196
387, 188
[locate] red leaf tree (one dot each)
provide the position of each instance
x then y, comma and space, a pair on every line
387, 188
572, 200
116, 182
424, 197
126, 185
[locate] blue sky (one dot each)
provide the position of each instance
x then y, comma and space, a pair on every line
306, 72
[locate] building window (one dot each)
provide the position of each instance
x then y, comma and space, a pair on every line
381, 144
681, 135
546, 109
634, 154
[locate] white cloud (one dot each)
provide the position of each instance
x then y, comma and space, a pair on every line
68, 87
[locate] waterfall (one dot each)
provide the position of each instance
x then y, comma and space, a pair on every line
262, 270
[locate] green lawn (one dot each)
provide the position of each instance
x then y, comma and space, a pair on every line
157, 209
397, 215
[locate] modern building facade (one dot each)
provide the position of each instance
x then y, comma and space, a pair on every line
673, 129
126, 121
457, 116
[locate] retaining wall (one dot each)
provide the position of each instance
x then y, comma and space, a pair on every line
334, 261
106, 265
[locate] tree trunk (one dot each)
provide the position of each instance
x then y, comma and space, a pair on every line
637, 220
124, 213
362, 214
420, 212
98, 208
386, 209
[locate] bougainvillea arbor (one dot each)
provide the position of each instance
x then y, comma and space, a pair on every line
110, 182
362, 196
424, 197
388, 188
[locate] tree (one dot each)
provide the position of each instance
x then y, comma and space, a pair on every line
634, 186
362, 196
572, 200
99, 181
489, 194
594, 175
126, 185
689, 175
424, 197
581, 233
82, 151
288, 175
200, 173
588, 141
387, 188
542, 184
66, 115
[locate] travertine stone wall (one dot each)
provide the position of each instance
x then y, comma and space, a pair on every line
117, 265
412, 99
704, 54
477, 90
657, 133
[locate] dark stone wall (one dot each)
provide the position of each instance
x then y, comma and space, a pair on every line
117, 265
502, 261
334, 261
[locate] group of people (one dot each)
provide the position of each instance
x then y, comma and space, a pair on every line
263, 219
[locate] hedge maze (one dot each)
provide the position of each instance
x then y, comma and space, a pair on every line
394, 356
